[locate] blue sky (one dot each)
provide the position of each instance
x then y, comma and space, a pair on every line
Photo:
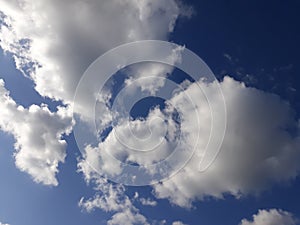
252, 42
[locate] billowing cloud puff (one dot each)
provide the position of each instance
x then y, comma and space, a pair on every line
55, 41
127, 217
271, 217
148, 202
261, 144
146, 136
178, 223
38, 133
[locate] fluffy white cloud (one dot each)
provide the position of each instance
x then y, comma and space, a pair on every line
178, 223
58, 46
127, 217
147, 136
54, 48
148, 202
261, 144
38, 133
271, 217
258, 149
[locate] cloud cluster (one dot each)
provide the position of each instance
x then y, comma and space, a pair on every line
271, 217
39, 136
143, 141
112, 198
54, 48
257, 150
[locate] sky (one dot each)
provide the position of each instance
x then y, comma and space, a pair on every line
94, 132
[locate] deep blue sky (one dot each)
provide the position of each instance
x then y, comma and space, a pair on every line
261, 37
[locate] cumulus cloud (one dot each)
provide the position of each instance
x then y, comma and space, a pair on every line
271, 217
127, 217
178, 223
260, 147
54, 47
143, 141
38, 133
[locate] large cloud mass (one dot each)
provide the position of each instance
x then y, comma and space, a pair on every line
261, 145
58, 40
53, 43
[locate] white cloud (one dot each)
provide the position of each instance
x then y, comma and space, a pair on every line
62, 45
258, 148
112, 198
127, 217
140, 134
151, 71
148, 202
38, 133
271, 217
178, 223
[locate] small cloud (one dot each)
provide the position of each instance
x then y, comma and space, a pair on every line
178, 223
148, 202
271, 217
